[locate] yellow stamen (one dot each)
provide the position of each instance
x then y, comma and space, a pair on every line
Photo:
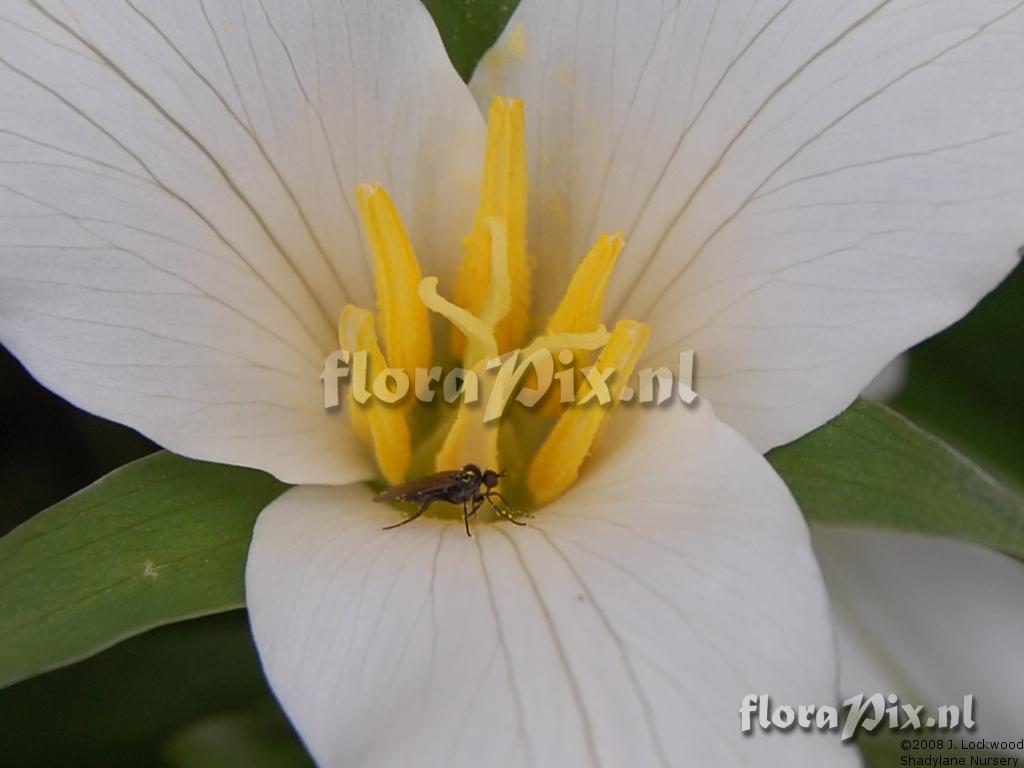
404, 322
580, 308
470, 440
503, 195
383, 426
556, 465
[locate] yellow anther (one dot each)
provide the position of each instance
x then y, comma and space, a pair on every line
347, 338
582, 305
556, 465
580, 308
384, 425
404, 322
503, 195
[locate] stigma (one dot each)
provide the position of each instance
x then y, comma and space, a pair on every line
543, 448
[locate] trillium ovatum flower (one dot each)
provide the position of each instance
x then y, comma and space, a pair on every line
200, 201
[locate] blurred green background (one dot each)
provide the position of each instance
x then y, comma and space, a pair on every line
192, 694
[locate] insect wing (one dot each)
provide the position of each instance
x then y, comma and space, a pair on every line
422, 486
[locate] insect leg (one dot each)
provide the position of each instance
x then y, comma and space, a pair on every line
420, 511
506, 513
466, 515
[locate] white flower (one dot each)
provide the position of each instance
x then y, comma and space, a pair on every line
805, 190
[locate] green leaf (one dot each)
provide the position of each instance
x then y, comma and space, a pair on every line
469, 28
157, 541
871, 467
136, 703
963, 385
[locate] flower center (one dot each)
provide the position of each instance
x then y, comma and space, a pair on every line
542, 447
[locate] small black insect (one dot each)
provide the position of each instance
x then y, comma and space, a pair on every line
469, 486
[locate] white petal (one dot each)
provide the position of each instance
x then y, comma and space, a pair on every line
806, 188
177, 202
929, 619
622, 626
